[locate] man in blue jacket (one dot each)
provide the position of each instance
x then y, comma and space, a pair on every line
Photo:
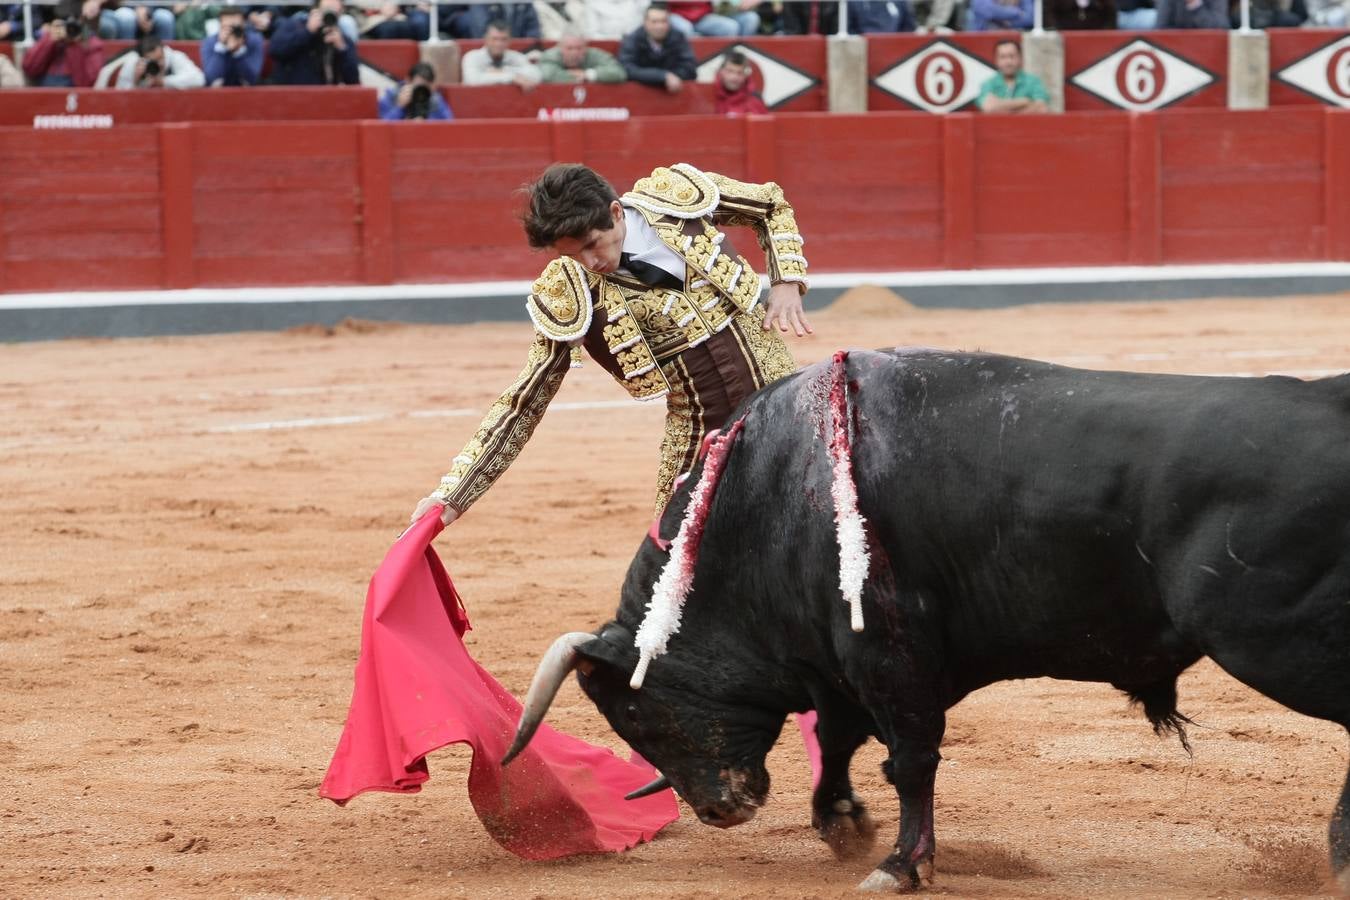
416, 98
314, 50
657, 54
233, 56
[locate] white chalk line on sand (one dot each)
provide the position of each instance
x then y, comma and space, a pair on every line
332, 421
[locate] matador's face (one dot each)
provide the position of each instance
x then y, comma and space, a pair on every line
598, 251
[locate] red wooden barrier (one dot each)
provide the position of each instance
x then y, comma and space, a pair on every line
1145, 70
1309, 66
371, 202
23, 107
510, 102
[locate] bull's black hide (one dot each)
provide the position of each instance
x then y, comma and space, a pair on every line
1024, 520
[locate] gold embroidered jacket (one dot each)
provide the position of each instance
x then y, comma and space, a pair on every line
701, 348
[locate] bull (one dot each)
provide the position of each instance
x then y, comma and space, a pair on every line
1022, 520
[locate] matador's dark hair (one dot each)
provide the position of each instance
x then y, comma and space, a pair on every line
568, 201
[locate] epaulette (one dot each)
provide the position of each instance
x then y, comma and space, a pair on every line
560, 301
681, 191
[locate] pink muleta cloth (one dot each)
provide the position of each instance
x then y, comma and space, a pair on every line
417, 690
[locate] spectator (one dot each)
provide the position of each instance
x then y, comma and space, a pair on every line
265, 19
1136, 15
416, 98
462, 21
811, 17
346, 21
157, 65
998, 15
1328, 13
130, 22
558, 17
657, 54
67, 53
1273, 14
10, 77
734, 18
885, 17
233, 57
935, 16
734, 94
611, 20
1011, 89
496, 63
11, 23
384, 21
572, 62
1080, 15
314, 50
191, 20
1193, 14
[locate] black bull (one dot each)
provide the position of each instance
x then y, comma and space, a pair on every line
1024, 520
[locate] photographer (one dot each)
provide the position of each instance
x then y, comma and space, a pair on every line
233, 56
156, 65
416, 98
314, 49
68, 52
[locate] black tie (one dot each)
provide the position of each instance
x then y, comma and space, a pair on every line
648, 274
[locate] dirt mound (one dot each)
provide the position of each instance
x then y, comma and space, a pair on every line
868, 301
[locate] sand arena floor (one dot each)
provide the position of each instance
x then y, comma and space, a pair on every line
189, 523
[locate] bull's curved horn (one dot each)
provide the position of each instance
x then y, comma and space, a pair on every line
558, 660
660, 784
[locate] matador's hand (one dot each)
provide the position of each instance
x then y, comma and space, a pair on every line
448, 512
784, 309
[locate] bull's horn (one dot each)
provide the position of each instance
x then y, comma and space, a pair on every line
560, 659
660, 784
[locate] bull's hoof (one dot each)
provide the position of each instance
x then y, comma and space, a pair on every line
880, 882
1343, 882
848, 830
924, 872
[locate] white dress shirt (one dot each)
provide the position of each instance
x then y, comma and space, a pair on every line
645, 245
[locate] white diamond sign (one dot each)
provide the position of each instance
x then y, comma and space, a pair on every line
939, 78
1324, 73
781, 82
1142, 76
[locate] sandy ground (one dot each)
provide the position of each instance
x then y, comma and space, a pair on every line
181, 594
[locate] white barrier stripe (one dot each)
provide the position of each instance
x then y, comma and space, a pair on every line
488, 290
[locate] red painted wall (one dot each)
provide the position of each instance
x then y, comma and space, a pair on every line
371, 202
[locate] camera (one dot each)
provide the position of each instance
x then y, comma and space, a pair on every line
74, 28
152, 68
237, 32
329, 19
419, 107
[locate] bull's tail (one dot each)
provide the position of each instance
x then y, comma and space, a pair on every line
1160, 708
850, 526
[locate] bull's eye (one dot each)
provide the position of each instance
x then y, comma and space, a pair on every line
630, 712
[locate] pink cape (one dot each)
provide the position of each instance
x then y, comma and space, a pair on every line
417, 689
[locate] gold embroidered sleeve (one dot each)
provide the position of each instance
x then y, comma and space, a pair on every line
507, 426
764, 208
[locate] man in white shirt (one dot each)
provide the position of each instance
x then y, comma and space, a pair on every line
155, 65
496, 63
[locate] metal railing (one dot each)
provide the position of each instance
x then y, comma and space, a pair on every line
1038, 13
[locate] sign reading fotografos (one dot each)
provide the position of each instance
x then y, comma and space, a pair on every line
1143, 76
1323, 73
939, 77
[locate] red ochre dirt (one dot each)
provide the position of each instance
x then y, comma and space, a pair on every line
181, 598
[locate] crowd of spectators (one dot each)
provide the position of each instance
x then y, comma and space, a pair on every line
318, 45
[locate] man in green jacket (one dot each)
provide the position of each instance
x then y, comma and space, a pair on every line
572, 62
1012, 89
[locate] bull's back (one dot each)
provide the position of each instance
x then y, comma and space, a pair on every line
1091, 524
